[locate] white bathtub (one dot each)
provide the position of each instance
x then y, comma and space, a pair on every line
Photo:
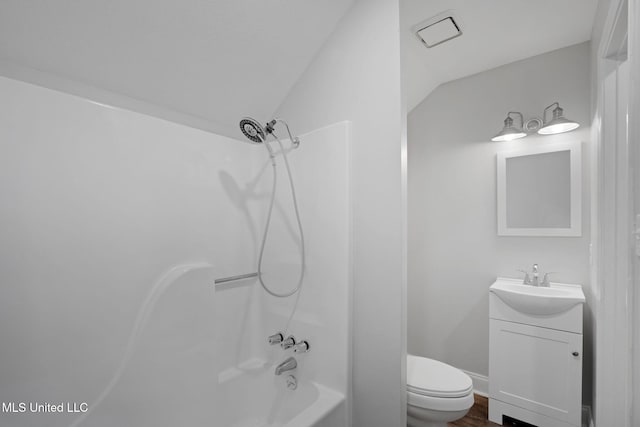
253, 396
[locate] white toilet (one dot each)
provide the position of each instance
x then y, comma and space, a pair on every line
436, 393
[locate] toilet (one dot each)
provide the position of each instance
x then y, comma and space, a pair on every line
436, 393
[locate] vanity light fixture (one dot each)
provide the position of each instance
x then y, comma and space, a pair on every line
509, 132
558, 124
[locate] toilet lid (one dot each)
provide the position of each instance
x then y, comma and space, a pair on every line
430, 377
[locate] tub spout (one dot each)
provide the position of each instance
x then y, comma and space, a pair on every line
287, 365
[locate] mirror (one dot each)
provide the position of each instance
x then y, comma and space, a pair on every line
539, 191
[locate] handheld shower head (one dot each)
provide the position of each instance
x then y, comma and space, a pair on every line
257, 134
253, 130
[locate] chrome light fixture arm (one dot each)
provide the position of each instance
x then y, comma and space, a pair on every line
511, 120
557, 112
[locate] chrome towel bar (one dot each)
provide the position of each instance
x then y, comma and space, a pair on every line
234, 278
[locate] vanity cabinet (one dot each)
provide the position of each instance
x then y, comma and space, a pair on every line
535, 366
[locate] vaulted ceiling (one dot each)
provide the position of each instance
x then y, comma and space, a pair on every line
214, 61
495, 32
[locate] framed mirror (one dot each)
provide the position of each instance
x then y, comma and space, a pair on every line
540, 191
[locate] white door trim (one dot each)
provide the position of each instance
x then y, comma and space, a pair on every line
634, 142
612, 274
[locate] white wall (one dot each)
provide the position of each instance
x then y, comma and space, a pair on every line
356, 77
454, 251
97, 205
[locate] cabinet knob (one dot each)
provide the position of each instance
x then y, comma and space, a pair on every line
575, 354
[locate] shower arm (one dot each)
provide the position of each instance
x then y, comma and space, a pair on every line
294, 139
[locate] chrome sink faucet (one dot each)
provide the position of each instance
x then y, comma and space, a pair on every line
534, 279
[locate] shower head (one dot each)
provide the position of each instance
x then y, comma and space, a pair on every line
257, 134
253, 130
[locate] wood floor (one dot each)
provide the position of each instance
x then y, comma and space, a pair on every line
477, 416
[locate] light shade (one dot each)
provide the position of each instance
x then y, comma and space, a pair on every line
558, 124
510, 132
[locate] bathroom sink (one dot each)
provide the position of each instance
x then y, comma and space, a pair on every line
536, 300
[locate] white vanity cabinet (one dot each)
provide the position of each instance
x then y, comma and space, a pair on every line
535, 365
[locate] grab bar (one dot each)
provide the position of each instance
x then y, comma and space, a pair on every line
234, 278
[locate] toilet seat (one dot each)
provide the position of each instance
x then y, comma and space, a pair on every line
428, 377
443, 404
437, 386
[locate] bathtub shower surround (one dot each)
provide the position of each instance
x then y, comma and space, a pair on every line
98, 204
265, 402
144, 315
320, 167
116, 225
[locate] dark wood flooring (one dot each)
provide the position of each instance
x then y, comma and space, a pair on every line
478, 415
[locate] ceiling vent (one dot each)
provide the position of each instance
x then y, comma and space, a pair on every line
438, 29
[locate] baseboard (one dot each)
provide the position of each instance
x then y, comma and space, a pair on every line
587, 417
480, 383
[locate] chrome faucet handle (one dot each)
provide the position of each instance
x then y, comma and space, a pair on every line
527, 279
276, 338
302, 347
545, 279
289, 342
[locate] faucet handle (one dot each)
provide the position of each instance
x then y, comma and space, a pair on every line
302, 347
289, 342
545, 280
276, 338
527, 279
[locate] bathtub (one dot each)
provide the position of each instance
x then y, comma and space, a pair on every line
253, 396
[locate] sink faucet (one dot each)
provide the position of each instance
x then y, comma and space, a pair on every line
535, 281
534, 278
288, 365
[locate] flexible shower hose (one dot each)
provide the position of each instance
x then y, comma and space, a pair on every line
268, 223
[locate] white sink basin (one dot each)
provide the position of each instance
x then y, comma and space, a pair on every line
537, 300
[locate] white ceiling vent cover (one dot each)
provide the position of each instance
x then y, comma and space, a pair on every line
438, 29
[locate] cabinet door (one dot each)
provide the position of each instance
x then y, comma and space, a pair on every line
535, 368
